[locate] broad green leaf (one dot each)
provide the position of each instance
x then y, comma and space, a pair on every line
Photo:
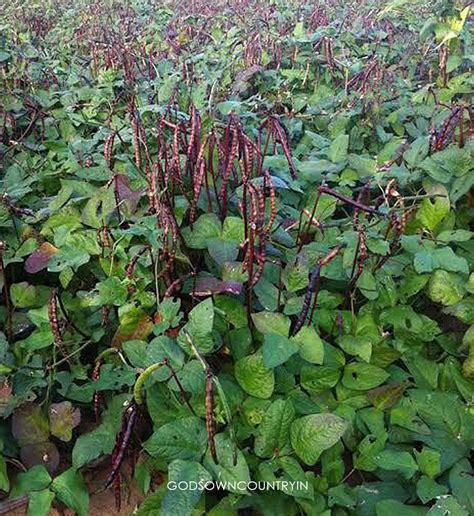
41, 338
311, 435
34, 479
4, 480
428, 461
295, 275
135, 324
427, 489
112, 291
391, 507
23, 295
233, 229
276, 350
233, 309
445, 288
72, 491
274, 431
362, 377
447, 505
462, 484
432, 212
386, 396
67, 257
338, 149
200, 325
317, 379
180, 502
356, 346
39, 502
99, 208
367, 285
311, 346
226, 470
184, 438
364, 165
272, 323
152, 502
206, 227
399, 461
160, 348
101, 440
222, 251
254, 378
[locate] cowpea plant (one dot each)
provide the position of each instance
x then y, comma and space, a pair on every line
236, 246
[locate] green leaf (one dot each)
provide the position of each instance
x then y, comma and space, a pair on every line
311, 435
199, 325
429, 462
461, 482
23, 295
135, 324
298, 31
362, 377
427, 489
447, 506
4, 480
206, 227
272, 323
150, 505
317, 379
338, 149
273, 435
402, 462
254, 378
233, 309
456, 235
34, 479
112, 292
295, 275
67, 257
226, 470
367, 285
222, 251
160, 348
101, 440
41, 338
445, 288
184, 438
39, 502
177, 501
72, 491
63, 418
311, 347
276, 350
356, 346
431, 213
391, 507
364, 165
445, 258
233, 229
424, 262
267, 294
98, 208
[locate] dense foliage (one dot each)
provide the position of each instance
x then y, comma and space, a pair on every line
237, 244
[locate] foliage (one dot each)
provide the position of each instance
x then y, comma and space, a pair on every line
237, 244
